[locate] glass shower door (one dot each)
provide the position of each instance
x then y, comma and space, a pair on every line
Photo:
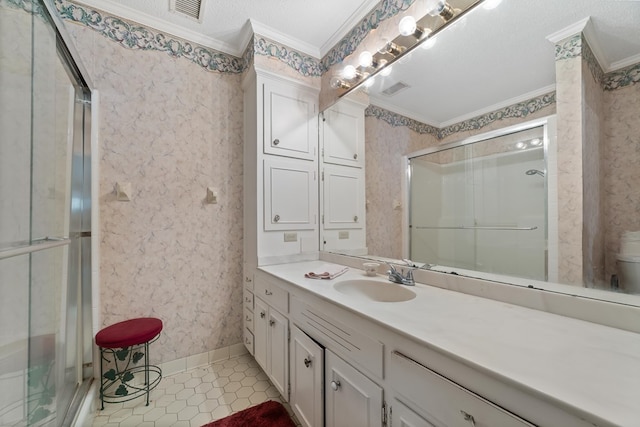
42, 181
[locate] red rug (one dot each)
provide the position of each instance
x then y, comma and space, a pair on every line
266, 414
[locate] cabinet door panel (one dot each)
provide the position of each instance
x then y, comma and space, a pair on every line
343, 198
278, 359
307, 379
290, 123
261, 322
290, 195
402, 416
343, 134
352, 400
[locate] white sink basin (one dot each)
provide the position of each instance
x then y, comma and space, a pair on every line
374, 290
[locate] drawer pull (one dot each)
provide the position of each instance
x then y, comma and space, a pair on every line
248, 319
276, 141
468, 417
355, 218
355, 157
247, 279
272, 322
267, 292
262, 314
335, 385
247, 299
276, 218
307, 362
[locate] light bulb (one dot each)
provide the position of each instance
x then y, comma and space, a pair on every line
521, 145
386, 71
336, 83
407, 26
428, 44
365, 59
434, 7
491, 4
536, 141
369, 82
349, 72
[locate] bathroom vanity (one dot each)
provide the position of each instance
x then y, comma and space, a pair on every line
433, 357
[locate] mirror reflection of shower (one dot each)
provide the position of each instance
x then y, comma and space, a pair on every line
535, 172
474, 206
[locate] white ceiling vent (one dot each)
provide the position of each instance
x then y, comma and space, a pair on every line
189, 8
395, 88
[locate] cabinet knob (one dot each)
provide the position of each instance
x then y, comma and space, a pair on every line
307, 362
355, 157
276, 218
355, 218
267, 292
272, 322
248, 319
246, 340
247, 279
468, 417
276, 141
335, 385
262, 314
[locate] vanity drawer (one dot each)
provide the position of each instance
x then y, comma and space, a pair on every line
248, 340
271, 293
248, 299
248, 319
443, 401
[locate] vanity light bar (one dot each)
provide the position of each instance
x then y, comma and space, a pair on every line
411, 36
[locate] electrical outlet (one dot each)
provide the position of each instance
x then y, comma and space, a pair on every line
290, 237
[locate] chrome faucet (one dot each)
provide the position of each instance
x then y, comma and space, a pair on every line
398, 276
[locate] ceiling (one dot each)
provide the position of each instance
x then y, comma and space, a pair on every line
489, 59
310, 26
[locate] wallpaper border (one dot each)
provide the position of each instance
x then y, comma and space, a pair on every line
519, 110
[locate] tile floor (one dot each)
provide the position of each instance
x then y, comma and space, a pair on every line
195, 397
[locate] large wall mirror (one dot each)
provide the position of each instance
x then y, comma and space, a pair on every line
475, 116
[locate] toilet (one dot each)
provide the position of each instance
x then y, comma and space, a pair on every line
628, 262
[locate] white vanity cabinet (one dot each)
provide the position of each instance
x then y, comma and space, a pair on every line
271, 331
352, 399
271, 335
401, 416
307, 379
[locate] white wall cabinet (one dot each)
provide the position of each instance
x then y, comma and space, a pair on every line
290, 120
290, 194
281, 220
352, 399
271, 344
307, 380
342, 195
343, 134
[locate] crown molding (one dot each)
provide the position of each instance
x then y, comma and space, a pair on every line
569, 31
500, 105
380, 102
161, 25
623, 63
279, 37
348, 25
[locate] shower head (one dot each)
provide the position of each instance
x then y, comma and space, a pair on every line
535, 172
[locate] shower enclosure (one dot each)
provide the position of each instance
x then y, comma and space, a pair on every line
482, 205
45, 213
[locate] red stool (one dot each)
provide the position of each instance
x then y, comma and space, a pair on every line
124, 344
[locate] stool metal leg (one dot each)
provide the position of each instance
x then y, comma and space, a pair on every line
101, 380
146, 369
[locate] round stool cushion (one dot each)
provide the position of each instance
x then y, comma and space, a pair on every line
129, 332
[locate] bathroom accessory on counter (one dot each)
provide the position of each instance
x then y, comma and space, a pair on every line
327, 271
370, 268
628, 262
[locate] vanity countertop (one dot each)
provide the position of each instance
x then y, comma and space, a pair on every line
588, 368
